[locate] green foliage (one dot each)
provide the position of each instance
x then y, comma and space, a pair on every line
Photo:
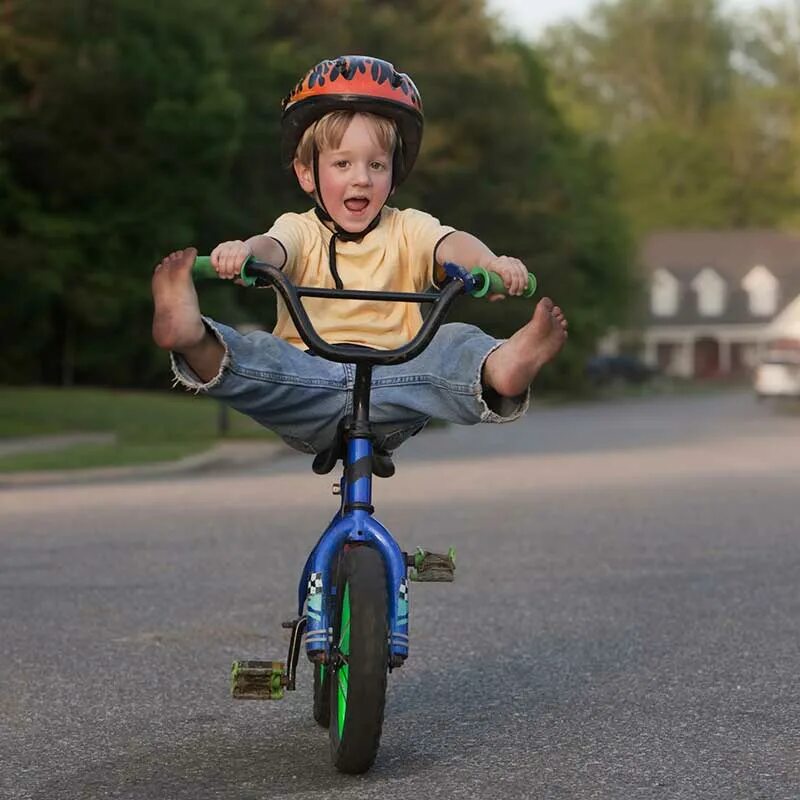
700, 112
129, 129
146, 426
123, 117
134, 417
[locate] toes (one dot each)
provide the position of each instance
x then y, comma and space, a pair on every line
177, 258
166, 261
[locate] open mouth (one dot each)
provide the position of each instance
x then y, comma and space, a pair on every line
356, 204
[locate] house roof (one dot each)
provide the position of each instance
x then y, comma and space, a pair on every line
732, 254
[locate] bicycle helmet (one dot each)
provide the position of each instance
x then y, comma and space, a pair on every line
356, 83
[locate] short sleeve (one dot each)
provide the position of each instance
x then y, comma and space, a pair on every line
422, 233
290, 231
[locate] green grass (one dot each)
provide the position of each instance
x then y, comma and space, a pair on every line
149, 426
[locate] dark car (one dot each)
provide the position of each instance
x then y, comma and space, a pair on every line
607, 370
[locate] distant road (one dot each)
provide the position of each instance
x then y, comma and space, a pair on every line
625, 621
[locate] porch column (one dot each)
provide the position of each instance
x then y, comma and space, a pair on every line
650, 351
687, 358
724, 356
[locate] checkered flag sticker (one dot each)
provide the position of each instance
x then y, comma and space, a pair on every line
315, 583
403, 589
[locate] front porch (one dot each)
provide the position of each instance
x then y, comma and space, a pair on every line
705, 352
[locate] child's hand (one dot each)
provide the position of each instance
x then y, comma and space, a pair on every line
228, 258
513, 272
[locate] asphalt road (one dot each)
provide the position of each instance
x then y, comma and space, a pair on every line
625, 622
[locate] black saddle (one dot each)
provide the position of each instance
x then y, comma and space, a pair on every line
325, 461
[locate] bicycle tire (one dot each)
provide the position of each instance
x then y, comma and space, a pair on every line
322, 695
358, 688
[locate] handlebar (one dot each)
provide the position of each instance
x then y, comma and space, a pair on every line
255, 273
485, 282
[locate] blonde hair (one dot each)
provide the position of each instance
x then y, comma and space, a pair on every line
327, 134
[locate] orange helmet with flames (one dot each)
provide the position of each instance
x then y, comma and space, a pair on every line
356, 83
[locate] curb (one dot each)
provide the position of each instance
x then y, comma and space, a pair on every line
49, 444
223, 456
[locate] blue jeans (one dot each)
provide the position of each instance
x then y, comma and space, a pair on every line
303, 397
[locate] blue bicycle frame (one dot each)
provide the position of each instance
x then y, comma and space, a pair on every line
354, 523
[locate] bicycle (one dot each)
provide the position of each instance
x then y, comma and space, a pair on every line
353, 595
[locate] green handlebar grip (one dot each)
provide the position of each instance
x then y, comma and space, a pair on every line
492, 283
202, 269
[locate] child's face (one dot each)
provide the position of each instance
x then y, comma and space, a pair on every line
355, 178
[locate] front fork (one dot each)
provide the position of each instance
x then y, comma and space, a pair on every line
317, 588
318, 585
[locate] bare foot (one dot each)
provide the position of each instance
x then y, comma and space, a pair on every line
177, 324
511, 368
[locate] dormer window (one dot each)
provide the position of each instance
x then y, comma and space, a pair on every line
762, 291
711, 293
664, 294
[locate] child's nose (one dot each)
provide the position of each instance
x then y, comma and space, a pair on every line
361, 176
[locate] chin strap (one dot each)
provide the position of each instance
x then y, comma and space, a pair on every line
344, 236
338, 233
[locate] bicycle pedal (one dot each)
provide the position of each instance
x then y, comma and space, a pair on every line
258, 680
433, 567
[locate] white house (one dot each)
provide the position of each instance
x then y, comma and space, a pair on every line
717, 298
786, 326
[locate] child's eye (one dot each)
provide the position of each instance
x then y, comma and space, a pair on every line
378, 165
342, 164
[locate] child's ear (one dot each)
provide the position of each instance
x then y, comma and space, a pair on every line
305, 176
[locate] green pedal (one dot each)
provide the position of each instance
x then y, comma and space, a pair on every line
258, 680
433, 567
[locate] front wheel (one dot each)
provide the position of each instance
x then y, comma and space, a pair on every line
322, 695
358, 683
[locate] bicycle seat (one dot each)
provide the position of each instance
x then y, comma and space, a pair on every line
325, 461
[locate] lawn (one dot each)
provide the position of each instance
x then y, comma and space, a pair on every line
149, 426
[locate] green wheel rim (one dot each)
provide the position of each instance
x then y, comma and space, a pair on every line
343, 673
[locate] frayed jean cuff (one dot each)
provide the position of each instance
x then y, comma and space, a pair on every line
183, 375
495, 407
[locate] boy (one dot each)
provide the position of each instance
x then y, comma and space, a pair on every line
352, 130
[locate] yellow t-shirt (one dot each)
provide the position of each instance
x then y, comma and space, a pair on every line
397, 256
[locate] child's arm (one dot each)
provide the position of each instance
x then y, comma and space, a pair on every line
228, 257
468, 251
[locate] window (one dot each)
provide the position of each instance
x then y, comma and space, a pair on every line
664, 294
762, 291
711, 293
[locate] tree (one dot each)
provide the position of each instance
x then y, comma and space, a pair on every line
118, 129
769, 60
693, 136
